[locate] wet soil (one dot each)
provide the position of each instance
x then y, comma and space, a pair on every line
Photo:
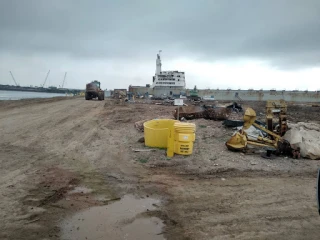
123, 219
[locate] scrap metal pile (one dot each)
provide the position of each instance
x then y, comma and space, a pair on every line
271, 136
274, 136
207, 112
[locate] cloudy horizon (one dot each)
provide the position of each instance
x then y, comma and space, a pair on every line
218, 44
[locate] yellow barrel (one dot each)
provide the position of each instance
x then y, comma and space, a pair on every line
184, 136
156, 132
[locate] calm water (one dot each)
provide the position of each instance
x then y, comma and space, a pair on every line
16, 95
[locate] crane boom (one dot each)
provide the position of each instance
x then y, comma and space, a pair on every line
46, 79
14, 79
64, 79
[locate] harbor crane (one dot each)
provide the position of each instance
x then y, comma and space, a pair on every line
64, 79
46, 79
14, 79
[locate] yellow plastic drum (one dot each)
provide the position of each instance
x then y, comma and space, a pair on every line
156, 132
184, 136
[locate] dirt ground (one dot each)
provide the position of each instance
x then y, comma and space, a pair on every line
49, 147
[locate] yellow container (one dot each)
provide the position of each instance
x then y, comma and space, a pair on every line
184, 136
183, 148
156, 132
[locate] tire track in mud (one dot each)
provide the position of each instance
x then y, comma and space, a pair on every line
38, 139
229, 206
249, 173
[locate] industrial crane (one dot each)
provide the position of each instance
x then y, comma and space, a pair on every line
14, 79
64, 79
46, 79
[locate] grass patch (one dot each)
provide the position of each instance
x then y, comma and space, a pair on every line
143, 160
162, 148
202, 126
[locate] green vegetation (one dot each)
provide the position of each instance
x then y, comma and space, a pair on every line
143, 160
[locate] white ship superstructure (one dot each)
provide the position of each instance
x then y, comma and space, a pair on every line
167, 79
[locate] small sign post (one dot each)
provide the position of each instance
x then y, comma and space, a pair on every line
178, 102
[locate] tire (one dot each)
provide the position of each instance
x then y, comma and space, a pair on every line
87, 96
100, 97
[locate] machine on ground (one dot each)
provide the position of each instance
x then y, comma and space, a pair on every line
273, 142
93, 90
194, 95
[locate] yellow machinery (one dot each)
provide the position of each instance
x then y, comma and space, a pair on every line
274, 141
239, 140
279, 107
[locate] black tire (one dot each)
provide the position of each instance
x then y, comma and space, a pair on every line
100, 97
87, 96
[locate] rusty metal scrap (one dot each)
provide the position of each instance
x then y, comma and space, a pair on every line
189, 112
217, 113
235, 107
207, 112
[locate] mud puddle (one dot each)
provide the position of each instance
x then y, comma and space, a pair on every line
123, 219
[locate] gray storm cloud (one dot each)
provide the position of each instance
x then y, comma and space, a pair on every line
285, 33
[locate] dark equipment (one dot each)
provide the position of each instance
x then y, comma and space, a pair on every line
93, 90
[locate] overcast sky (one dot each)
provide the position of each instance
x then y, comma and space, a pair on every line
218, 43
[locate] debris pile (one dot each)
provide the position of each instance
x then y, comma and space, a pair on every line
306, 138
217, 113
189, 112
256, 135
235, 107
212, 112
139, 125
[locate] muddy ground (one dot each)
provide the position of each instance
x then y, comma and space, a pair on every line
50, 147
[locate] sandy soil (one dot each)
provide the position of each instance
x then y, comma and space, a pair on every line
48, 147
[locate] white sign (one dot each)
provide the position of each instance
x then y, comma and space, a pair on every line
178, 102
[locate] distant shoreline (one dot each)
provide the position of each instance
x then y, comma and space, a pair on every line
40, 89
